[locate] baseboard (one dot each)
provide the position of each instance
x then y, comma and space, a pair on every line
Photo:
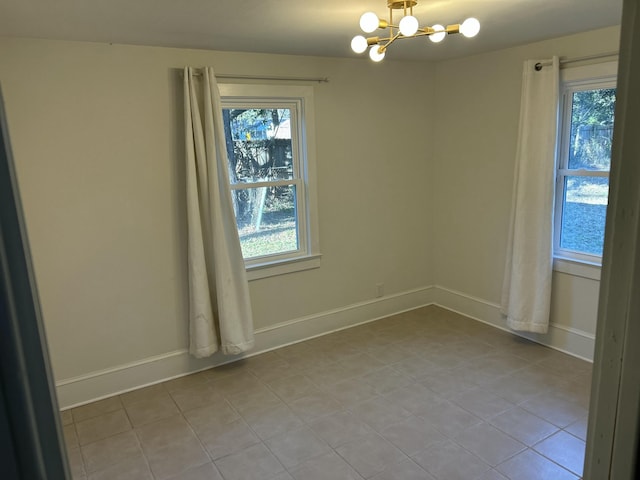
148, 371
572, 341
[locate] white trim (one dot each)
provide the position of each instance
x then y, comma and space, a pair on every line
300, 101
577, 268
574, 331
590, 73
270, 269
159, 368
100, 384
587, 77
126, 366
569, 340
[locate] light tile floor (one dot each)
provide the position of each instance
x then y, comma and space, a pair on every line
423, 395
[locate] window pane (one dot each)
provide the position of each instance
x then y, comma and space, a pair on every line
592, 129
584, 211
258, 144
266, 220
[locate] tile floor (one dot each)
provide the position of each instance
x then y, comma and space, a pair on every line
427, 395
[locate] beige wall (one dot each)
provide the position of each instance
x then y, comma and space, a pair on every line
97, 139
479, 102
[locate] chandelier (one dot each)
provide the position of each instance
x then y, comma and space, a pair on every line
408, 27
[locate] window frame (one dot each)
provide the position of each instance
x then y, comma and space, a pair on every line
299, 99
589, 77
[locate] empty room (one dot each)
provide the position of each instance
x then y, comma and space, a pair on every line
286, 240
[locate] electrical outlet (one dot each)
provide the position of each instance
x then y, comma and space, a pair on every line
379, 290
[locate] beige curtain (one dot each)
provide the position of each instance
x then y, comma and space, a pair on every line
526, 294
219, 306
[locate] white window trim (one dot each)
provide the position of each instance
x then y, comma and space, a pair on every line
577, 268
309, 256
599, 75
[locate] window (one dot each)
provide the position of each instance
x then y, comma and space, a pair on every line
269, 142
587, 117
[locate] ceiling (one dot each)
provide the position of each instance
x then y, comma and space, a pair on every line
305, 27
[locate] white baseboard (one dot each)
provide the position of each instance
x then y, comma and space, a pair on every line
148, 371
572, 341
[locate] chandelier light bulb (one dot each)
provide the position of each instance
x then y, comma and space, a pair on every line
398, 26
369, 22
375, 54
470, 27
359, 44
408, 25
439, 35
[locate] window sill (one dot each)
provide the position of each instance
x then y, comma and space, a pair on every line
282, 267
577, 268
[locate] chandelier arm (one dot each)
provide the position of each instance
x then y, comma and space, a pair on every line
402, 37
391, 40
427, 33
468, 28
399, 36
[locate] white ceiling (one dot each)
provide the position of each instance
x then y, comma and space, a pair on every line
307, 27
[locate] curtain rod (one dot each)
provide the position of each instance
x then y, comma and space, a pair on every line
268, 77
585, 58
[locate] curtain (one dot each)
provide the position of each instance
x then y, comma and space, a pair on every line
526, 294
219, 306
